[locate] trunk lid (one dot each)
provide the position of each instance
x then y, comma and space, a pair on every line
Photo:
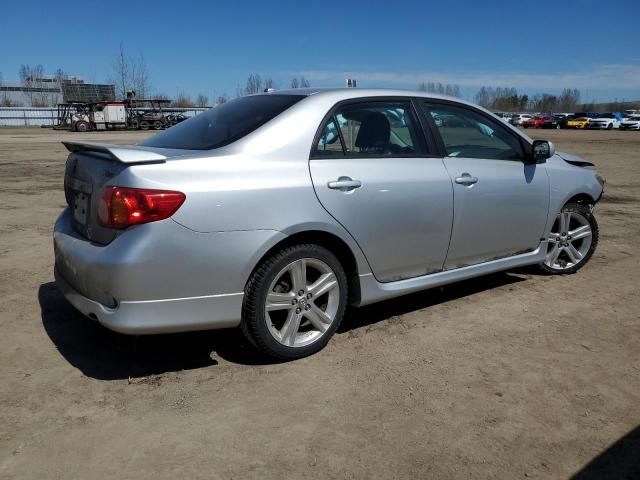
89, 168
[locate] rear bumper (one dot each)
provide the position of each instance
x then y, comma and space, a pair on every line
158, 316
158, 277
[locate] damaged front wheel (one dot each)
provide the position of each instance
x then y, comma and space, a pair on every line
572, 240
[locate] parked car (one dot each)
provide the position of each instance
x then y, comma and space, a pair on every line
535, 122
579, 122
518, 118
630, 123
605, 121
505, 117
554, 121
275, 211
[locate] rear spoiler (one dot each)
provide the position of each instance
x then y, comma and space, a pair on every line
119, 153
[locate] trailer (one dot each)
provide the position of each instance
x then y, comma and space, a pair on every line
130, 114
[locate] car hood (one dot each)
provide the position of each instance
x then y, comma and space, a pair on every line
574, 159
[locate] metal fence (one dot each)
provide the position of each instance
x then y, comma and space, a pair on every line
48, 116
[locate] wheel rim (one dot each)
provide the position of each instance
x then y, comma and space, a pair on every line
302, 302
569, 241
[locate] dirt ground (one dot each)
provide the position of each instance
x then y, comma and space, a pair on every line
507, 376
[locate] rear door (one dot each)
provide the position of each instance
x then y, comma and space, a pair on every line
501, 203
375, 173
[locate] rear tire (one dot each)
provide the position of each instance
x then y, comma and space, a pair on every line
572, 240
144, 125
294, 302
82, 126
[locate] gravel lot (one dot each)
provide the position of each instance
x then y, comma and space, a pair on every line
508, 376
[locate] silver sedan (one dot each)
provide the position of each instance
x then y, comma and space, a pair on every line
273, 212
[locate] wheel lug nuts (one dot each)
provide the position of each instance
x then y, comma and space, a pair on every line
307, 307
293, 302
301, 292
298, 310
309, 295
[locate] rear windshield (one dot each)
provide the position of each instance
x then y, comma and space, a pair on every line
223, 124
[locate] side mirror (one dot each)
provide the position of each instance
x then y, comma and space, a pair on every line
541, 150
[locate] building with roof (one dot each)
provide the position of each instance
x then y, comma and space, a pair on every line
50, 90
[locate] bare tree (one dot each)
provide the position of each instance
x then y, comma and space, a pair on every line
183, 100
31, 78
447, 89
121, 74
140, 76
302, 83
254, 84
268, 83
202, 100
26, 79
224, 98
130, 73
60, 78
5, 101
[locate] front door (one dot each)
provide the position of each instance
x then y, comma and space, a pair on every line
501, 203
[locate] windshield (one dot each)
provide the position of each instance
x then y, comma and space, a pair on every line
223, 124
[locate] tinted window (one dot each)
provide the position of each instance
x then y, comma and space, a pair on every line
223, 124
373, 129
468, 134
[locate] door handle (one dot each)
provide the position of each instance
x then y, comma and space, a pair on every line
466, 180
344, 184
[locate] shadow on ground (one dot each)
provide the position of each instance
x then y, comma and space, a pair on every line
621, 461
102, 354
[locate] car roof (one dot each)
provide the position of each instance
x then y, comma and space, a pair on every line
354, 93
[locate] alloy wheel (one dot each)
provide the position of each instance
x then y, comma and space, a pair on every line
302, 302
569, 241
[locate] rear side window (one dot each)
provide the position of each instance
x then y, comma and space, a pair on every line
371, 129
223, 124
468, 134
329, 143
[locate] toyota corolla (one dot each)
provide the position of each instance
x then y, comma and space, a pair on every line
274, 212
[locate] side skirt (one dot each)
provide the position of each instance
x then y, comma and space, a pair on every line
373, 291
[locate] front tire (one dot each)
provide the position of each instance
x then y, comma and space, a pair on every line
572, 240
294, 302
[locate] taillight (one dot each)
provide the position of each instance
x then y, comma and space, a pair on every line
121, 207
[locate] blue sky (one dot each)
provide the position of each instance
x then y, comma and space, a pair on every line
211, 47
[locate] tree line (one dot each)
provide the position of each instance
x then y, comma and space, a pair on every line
130, 72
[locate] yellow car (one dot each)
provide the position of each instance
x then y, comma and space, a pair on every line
581, 122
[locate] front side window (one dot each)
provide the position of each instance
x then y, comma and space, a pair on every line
468, 134
223, 124
371, 129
